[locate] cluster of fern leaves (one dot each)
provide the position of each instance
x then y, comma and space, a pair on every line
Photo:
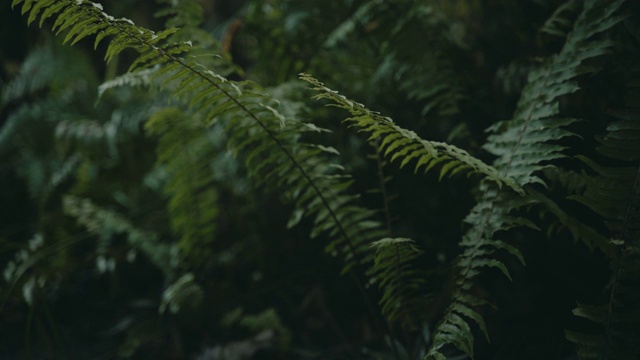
216, 182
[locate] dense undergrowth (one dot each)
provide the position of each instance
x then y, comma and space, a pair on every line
472, 189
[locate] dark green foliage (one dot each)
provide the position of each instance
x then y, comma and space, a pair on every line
185, 155
522, 146
138, 187
400, 283
405, 145
107, 224
613, 192
435, 83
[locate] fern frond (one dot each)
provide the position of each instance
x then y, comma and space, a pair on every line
133, 79
523, 146
184, 151
423, 73
188, 16
399, 282
559, 24
427, 74
613, 192
33, 77
592, 238
267, 140
107, 223
360, 17
405, 145
43, 96
480, 249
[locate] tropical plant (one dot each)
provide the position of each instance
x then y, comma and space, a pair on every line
183, 171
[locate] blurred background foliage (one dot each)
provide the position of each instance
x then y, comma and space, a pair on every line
98, 264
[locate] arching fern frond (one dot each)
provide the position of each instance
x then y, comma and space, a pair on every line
267, 141
405, 145
523, 146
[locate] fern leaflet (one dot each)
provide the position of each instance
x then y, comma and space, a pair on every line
405, 145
